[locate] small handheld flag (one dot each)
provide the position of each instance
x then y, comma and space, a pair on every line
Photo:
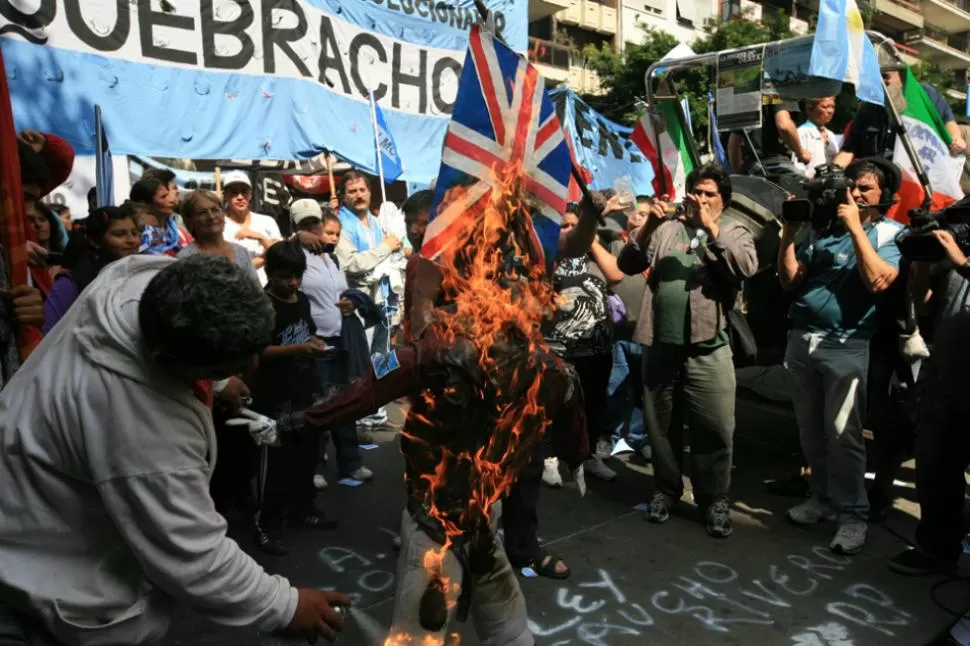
104, 173
388, 161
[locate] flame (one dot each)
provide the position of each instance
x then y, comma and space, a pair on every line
499, 296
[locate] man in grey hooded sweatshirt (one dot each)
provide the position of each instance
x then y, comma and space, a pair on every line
106, 450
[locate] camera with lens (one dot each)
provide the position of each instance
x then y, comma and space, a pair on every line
824, 193
919, 243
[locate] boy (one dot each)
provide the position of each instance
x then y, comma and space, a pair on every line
287, 380
324, 284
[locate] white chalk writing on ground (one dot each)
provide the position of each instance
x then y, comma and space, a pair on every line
719, 599
361, 574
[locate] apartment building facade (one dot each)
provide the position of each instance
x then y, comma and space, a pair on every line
936, 31
560, 29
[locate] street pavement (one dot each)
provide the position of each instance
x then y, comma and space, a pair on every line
637, 583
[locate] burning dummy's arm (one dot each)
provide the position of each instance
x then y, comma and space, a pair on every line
369, 392
405, 371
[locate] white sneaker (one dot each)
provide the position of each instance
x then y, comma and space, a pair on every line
319, 482
849, 538
550, 472
363, 474
595, 467
604, 448
810, 512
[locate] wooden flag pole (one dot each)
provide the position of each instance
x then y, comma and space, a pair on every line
333, 186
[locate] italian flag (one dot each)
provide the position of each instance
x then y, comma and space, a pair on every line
932, 143
674, 159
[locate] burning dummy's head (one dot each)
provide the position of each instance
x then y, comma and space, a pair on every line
493, 273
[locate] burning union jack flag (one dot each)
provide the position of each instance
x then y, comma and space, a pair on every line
502, 116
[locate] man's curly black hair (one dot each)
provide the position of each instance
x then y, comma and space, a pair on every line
205, 311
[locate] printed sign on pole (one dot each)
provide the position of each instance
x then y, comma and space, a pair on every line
739, 76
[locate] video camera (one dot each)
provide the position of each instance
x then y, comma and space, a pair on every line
919, 243
825, 192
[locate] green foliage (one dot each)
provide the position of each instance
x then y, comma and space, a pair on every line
622, 75
936, 76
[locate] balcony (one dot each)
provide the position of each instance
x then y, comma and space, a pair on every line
935, 46
589, 14
553, 61
539, 9
573, 14
898, 15
561, 64
950, 16
798, 26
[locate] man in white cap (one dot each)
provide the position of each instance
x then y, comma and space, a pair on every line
254, 231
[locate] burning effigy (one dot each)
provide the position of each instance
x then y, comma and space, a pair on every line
484, 390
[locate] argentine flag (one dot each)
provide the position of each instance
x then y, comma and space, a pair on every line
389, 161
842, 51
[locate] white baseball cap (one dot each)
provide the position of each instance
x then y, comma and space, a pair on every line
237, 177
305, 209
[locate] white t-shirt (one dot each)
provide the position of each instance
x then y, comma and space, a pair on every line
810, 136
259, 223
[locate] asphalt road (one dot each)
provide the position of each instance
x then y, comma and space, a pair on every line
637, 583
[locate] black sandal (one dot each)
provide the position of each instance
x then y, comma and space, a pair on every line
546, 566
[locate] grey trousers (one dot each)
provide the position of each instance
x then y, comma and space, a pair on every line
497, 604
677, 381
829, 396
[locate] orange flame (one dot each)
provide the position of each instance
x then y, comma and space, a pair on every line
500, 297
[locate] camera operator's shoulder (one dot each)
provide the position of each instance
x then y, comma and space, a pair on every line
886, 231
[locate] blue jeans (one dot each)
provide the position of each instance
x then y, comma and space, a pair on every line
624, 404
333, 378
18, 629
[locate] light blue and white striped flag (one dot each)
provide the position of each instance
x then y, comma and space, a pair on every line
389, 162
842, 51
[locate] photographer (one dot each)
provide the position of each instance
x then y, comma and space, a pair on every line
942, 442
839, 276
697, 262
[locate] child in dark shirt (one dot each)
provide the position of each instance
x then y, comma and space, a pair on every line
286, 381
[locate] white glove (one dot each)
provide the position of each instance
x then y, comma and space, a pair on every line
261, 428
913, 347
392, 220
579, 476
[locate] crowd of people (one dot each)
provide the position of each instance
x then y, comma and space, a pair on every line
168, 315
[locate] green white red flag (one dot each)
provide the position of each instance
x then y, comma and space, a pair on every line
662, 135
932, 143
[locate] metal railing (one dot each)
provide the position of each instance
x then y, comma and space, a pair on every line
549, 53
959, 42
